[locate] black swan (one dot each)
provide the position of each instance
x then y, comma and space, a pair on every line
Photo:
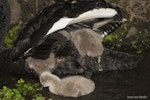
63, 51
71, 86
36, 42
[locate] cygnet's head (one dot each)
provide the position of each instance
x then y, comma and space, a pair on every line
47, 79
41, 65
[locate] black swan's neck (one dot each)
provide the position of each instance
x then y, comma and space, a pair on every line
4, 19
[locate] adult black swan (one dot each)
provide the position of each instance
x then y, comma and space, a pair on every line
46, 40
61, 53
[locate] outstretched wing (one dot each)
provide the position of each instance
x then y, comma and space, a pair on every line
36, 33
59, 16
33, 33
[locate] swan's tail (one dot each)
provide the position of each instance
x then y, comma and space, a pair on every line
114, 60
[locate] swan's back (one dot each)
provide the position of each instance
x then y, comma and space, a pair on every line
87, 42
74, 86
78, 85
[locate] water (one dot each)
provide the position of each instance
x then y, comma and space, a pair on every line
125, 85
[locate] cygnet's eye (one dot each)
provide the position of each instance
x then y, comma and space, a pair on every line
79, 94
74, 4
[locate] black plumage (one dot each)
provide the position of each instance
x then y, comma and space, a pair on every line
114, 60
34, 43
72, 63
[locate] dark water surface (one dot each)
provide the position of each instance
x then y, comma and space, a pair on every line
125, 85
